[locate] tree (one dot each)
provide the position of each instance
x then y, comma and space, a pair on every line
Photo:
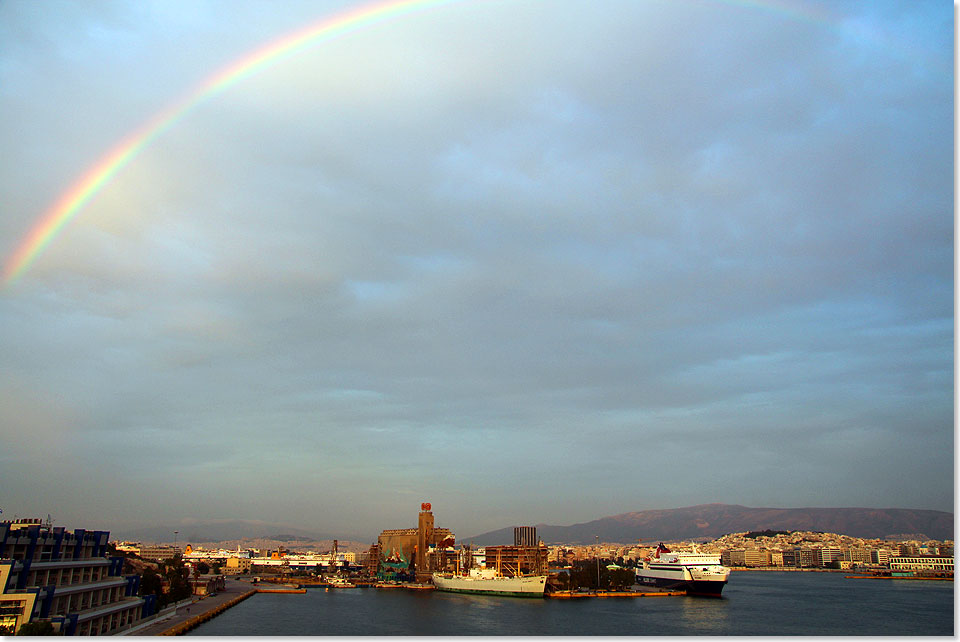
37, 628
203, 568
584, 575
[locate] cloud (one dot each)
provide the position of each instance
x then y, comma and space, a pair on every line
456, 252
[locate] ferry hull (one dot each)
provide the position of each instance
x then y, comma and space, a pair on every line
692, 587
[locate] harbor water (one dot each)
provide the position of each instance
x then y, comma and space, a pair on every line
753, 603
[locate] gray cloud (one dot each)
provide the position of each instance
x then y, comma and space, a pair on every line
517, 259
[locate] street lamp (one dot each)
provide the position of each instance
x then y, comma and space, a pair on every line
175, 534
597, 553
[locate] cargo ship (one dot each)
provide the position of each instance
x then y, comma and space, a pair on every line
694, 572
487, 581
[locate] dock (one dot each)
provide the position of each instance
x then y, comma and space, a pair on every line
897, 577
188, 615
576, 595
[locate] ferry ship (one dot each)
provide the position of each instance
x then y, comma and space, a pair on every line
694, 572
488, 581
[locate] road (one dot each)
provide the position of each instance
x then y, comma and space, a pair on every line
234, 589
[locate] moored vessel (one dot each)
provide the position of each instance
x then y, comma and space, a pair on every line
488, 582
694, 572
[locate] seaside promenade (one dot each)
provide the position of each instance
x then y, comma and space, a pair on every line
233, 590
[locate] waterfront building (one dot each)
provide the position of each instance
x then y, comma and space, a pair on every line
857, 556
825, 556
880, 556
237, 565
159, 553
753, 557
401, 546
776, 558
733, 557
207, 584
799, 557
64, 577
937, 563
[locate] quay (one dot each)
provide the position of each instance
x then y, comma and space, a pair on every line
898, 577
576, 595
188, 616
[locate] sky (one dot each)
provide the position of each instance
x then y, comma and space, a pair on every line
530, 261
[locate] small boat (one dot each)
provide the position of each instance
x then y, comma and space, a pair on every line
340, 582
419, 587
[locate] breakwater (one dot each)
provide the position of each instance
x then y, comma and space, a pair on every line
200, 618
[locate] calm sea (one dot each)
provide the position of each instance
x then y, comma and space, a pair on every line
753, 603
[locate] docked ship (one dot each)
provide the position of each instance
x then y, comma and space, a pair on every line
694, 572
488, 581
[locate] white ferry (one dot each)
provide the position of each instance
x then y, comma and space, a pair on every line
694, 572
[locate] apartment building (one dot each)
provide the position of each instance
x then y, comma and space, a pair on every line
64, 577
825, 556
733, 557
754, 557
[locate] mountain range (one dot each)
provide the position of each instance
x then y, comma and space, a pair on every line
693, 523
195, 531
709, 521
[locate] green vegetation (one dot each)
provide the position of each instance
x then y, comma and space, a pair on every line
764, 533
37, 628
584, 575
177, 577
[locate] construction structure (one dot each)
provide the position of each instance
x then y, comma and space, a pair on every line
517, 560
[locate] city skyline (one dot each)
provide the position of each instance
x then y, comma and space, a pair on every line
531, 262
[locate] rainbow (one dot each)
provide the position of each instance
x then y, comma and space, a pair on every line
80, 193
84, 189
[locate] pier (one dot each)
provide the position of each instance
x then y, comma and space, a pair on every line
188, 616
576, 595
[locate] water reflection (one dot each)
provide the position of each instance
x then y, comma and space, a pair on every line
704, 614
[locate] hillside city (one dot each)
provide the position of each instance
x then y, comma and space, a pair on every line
794, 549
79, 582
763, 549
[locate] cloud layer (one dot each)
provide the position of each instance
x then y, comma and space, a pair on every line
531, 262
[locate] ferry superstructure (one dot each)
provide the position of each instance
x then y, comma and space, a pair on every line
694, 572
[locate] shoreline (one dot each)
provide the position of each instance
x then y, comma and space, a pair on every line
187, 615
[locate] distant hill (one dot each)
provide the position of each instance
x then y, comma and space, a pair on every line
709, 521
194, 531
